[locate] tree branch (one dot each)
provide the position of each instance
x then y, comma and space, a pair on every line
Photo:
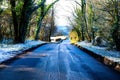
78, 3
50, 6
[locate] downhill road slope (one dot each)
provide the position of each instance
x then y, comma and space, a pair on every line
61, 61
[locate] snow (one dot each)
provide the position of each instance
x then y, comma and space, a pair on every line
9, 51
111, 54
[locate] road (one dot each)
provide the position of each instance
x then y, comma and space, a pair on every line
61, 61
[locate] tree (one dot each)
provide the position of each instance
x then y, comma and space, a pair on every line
91, 19
112, 7
22, 14
47, 29
44, 11
52, 23
15, 21
78, 26
82, 19
5, 21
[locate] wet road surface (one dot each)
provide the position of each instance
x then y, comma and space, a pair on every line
57, 62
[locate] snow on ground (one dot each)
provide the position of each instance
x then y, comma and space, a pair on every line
112, 55
9, 51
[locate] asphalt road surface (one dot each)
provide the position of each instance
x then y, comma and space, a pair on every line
61, 61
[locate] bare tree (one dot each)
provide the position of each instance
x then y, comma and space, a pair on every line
44, 11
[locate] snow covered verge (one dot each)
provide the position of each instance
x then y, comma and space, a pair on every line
110, 57
9, 51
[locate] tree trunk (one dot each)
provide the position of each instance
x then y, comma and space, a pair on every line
82, 33
15, 21
52, 23
40, 21
38, 29
24, 21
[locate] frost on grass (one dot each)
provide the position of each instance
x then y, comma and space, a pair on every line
9, 51
111, 54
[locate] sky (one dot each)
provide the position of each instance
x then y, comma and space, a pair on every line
63, 11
